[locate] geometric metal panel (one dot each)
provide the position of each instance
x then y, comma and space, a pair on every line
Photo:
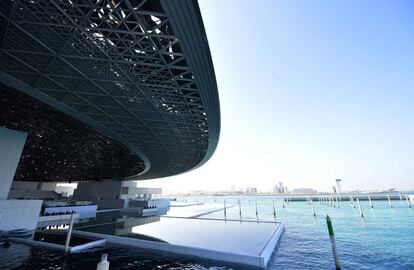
141, 70
59, 148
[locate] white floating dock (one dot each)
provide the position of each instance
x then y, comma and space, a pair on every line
248, 243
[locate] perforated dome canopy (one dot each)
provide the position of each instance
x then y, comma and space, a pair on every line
138, 74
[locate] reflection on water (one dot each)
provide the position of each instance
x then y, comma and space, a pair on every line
116, 223
21, 257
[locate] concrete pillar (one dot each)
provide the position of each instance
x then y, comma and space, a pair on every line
11, 147
16, 214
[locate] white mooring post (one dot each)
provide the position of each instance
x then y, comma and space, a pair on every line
408, 201
313, 209
360, 210
389, 201
103, 264
333, 243
225, 212
274, 209
257, 213
72, 217
401, 199
370, 203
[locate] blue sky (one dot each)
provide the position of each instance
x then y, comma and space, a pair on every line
310, 91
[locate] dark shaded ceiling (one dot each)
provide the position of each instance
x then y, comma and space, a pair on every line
60, 148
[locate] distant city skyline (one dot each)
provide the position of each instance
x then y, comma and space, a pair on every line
310, 92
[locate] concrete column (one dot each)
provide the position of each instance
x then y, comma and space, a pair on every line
11, 147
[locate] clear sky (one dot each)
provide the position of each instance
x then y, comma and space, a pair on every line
310, 91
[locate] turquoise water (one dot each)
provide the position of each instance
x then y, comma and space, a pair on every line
383, 239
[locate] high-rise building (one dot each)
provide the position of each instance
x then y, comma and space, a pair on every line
338, 185
279, 188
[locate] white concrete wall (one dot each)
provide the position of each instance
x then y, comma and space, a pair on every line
11, 147
112, 190
18, 194
19, 214
23, 185
110, 203
65, 190
134, 189
270, 247
104, 190
48, 186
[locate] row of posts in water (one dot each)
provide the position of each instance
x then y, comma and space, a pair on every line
257, 210
332, 201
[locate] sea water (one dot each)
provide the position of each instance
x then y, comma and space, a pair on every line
383, 239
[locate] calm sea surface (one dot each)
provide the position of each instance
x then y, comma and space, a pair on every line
384, 239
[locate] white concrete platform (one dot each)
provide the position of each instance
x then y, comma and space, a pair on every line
246, 243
